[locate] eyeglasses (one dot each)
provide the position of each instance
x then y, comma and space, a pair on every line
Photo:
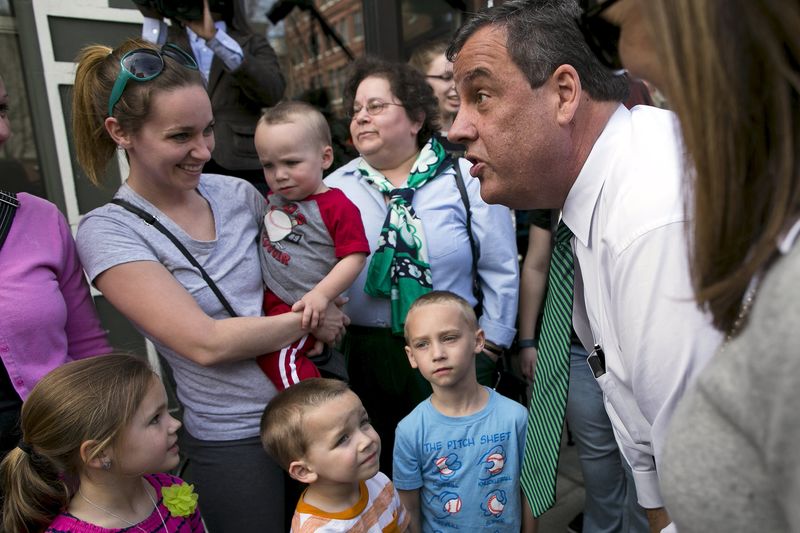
144, 64
601, 35
373, 107
447, 76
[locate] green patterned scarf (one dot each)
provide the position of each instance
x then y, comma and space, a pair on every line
399, 268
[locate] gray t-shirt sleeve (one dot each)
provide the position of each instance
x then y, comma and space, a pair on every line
105, 241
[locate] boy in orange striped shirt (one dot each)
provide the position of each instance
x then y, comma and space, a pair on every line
319, 431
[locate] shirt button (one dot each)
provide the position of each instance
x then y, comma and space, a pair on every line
19, 382
4, 348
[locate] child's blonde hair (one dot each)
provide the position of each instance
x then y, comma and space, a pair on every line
294, 112
441, 297
282, 431
90, 399
97, 71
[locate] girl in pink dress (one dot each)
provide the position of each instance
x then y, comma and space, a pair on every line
96, 435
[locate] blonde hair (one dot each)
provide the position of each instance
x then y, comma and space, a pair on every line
282, 426
732, 77
443, 297
289, 111
91, 399
98, 67
424, 55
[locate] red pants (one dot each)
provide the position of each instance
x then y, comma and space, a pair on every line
290, 365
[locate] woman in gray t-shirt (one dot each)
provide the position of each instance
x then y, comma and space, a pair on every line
156, 109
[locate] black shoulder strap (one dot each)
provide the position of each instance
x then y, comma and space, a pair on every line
462, 190
8, 208
153, 221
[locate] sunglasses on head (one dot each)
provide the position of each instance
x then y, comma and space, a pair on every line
601, 35
144, 64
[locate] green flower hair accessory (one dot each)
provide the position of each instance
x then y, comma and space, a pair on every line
181, 500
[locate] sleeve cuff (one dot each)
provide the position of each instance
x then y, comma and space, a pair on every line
401, 484
497, 333
647, 490
227, 49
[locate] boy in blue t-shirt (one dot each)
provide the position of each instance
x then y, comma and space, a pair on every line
457, 456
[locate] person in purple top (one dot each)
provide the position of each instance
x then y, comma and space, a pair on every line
48, 317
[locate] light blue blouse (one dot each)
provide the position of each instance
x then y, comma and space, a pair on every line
438, 204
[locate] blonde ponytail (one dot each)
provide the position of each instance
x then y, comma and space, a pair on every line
34, 492
93, 146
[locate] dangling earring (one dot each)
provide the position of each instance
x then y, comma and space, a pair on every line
105, 463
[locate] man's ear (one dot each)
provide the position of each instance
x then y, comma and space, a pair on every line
114, 129
302, 472
568, 85
480, 340
327, 157
410, 355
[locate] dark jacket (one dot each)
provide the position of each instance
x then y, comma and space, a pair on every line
237, 97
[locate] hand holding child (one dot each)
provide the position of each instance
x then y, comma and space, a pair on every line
331, 328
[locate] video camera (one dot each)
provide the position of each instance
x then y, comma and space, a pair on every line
187, 9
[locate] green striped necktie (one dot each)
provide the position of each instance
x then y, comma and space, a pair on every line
551, 380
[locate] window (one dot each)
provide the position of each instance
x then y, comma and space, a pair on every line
358, 25
19, 157
342, 29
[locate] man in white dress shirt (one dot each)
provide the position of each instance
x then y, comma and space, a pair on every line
544, 128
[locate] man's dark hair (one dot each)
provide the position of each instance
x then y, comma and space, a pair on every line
542, 35
407, 84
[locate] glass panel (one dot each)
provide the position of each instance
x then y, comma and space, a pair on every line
313, 62
121, 334
70, 35
426, 20
19, 159
358, 25
121, 4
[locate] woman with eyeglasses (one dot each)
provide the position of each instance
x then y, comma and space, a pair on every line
409, 192
731, 71
47, 317
430, 60
151, 105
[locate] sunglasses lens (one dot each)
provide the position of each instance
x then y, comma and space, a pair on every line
179, 55
143, 63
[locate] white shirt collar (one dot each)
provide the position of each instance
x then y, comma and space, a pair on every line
582, 198
787, 241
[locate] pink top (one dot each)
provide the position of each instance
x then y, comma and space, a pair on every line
66, 523
47, 316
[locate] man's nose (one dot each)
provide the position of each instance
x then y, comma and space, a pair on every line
462, 131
